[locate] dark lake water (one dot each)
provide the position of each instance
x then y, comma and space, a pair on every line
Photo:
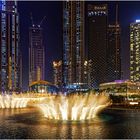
30, 123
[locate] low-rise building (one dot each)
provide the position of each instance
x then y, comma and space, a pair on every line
122, 91
121, 87
42, 87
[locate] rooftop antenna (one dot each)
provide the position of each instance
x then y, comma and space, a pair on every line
31, 17
116, 13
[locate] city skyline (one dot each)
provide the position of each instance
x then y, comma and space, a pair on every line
51, 30
69, 70
50, 45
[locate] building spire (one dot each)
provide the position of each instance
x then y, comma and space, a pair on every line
116, 13
31, 17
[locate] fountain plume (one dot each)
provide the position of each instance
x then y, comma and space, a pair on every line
13, 101
73, 107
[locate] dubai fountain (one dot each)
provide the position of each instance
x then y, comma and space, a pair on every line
21, 100
13, 101
74, 107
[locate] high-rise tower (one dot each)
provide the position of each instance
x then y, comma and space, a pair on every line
73, 41
36, 54
9, 46
114, 51
135, 51
96, 41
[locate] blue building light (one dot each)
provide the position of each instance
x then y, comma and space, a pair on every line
138, 20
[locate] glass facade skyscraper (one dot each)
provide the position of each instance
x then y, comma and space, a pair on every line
114, 53
36, 54
135, 51
96, 42
9, 46
73, 42
103, 41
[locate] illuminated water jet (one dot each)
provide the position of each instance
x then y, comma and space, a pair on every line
21, 100
74, 107
13, 101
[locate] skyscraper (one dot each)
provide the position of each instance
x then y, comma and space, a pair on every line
96, 41
57, 73
135, 51
73, 41
114, 53
9, 46
36, 54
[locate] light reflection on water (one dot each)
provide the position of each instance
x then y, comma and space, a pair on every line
30, 123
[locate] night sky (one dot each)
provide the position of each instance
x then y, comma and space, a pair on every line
52, 28
128, 12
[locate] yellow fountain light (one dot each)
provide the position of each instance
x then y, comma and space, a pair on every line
13, 101
133, 103
74, 107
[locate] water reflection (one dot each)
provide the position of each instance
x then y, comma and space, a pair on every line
30, 123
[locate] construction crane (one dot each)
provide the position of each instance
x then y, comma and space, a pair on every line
39, 25
42, 20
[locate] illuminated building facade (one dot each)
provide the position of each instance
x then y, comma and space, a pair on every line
9, 46
135, 51
42, 87
57, 73
114, 53
77, 87
36, 54
73, 42
20, 71
96, 41
87, 71
121, 87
